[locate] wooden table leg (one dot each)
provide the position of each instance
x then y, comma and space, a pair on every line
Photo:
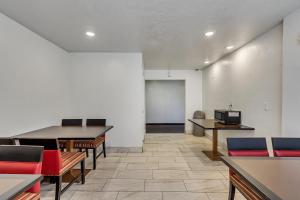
215, 142
69, 146
214, 155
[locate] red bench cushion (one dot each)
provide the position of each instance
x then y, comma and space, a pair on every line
287, 153
55, 162
52, 163
254, 153
11, 167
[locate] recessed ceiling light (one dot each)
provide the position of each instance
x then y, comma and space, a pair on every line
90, 34
229, 47
206, 62
209, 33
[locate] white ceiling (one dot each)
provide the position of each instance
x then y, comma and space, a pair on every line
169, 33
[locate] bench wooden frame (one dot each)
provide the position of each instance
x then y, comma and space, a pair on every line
236, 182
68, 160
87, 144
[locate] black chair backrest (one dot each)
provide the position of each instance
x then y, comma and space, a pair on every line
21, 153
48, 144
286, 143
71, 122
246, 144
7, 141
96, 122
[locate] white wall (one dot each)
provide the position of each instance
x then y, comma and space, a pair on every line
165, 101
33, 81
40, 84
193, 88
291, 74
250, 79
111, 86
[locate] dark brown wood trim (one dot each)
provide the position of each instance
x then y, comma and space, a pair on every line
259, 188
224, 127
165, 124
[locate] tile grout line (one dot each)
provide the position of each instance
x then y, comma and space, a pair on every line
117, 196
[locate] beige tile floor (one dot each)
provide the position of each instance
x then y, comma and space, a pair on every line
172, 167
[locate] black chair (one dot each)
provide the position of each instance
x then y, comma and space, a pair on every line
57, 163
245, 147
71, 122
286, 147
98, 122
7, 141
93, 144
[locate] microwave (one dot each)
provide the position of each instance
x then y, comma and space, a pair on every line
228, 116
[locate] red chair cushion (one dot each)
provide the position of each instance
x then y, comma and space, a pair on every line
11, 167
52, 163
254, 153
287, 153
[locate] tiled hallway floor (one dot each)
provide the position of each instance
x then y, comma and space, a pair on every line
171, 167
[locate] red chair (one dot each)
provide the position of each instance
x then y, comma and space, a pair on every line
286, 147
250, 147
247, 147
57, 163
22, 160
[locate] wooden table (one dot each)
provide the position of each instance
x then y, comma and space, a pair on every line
264, 178
66, 133
12, 185
210, 124
69, 134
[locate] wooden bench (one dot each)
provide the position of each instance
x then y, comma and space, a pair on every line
57, 163
87, 144
28, 196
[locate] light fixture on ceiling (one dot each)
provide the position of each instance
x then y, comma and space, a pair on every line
229, 47
206, 62
209, 33
90, 34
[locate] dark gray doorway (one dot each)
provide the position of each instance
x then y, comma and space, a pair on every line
165, 106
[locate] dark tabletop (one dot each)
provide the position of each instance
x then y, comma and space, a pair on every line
12, 185
210, 124
66, 133
274, 178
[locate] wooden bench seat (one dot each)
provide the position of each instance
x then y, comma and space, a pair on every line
89, 144
69, 160
57, 163
86, 144
28, 196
